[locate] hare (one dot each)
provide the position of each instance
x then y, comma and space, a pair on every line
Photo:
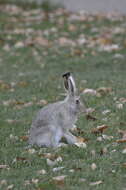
55, 120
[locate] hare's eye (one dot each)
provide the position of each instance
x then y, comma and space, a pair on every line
77, 102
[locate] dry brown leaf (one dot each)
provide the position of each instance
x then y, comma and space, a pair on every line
4, 85
81, 140
49, 156
123, 139
59, 180
103, 151
104, 90
72, 28
123, 133
105, 41
99, 129
77, 130
22, 84
24, 138
124, 165
21, 159
89, 117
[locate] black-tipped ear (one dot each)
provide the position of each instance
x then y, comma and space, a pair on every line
65, 77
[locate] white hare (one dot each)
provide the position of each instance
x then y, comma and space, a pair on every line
55, 120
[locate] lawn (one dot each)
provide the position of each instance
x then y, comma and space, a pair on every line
34, 53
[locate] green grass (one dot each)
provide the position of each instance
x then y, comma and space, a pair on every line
33, 72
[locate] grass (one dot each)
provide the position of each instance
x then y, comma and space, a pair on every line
33, 72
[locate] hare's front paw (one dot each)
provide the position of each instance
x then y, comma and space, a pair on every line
71, 139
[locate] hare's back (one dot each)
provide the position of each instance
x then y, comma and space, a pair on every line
47, 115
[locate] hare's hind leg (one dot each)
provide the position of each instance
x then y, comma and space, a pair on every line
71, 139
49, 138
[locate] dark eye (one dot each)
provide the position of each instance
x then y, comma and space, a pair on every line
77, 102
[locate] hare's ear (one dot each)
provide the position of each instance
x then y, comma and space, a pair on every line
65, 77
71, 86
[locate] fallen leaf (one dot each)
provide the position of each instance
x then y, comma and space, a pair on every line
22, 159
119, 106
81, 140
106, 112
42, 102
63, 41
93, 152
89, 91
93, 166
104, 90
99, 139
81, 144
122, 100
123, 139
12, 121
124, 165
90, 110
31, 151
123, 133
71, 170
89, 117
41, 41
24, 138
10, 187
19, 44
109, 48
34, 181
3, 182
52, 162
22, 84
103, 151
13, 137
57, 169
72, 28
41, 172
59, 180
78, 130
99, 129
4, 166
4, 85
96, 183
107, 137
124, 151
82, 179
50, 156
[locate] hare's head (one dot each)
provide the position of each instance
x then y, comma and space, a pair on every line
72, 95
